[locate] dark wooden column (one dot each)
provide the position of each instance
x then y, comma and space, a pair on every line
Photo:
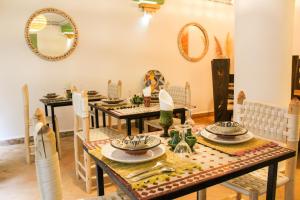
220, 78
295, 75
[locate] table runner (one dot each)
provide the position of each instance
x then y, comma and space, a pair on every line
182, 167
237, 149
116, 106
141, 109
65, 99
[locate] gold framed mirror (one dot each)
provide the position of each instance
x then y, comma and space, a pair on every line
193, 42
51, 34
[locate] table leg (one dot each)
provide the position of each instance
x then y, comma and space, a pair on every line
182, 117
201, 194
104, 119
97, 118
54, 125
140, 125
46, 110
272, 179
92, 118
128, 124
100, 181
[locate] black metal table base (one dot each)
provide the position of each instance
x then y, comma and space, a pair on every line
272, 179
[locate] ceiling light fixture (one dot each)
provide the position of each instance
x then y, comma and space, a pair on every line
150, 6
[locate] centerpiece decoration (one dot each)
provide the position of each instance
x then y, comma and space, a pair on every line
147, 96
186, 136
136, 100
166, 111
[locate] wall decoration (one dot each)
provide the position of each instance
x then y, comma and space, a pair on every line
219, 51
51, 34
228, 47
154, 79
193, 42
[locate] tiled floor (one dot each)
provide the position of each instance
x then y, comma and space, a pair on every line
18, 180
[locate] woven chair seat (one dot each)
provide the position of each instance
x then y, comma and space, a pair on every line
155, 123
255, 182
100, 134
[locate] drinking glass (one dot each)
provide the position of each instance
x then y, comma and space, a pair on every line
182, 149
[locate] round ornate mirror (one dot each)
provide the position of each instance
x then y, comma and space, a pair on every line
193, 42
51, 34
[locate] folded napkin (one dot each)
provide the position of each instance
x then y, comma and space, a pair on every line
165, 101
147, 91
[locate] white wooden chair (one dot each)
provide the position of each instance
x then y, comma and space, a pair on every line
276, 124
47, 166
114, 90
83, 133
28, 122
180, 95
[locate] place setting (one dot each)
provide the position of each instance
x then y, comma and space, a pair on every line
53, 97
232, 138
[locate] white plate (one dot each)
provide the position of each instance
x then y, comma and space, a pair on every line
120, 156
230, 140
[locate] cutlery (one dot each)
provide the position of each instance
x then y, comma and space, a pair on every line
158, 165
162, 170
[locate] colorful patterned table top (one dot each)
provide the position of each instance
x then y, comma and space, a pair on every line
203, 165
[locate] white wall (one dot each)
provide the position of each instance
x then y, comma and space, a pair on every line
113, 44
296, 42
263, 46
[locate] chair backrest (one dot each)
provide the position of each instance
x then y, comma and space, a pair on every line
114, 90
46, 160
265, 120
181, 95
25, 93
272, 122
81, 113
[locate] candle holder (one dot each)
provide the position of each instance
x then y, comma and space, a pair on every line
147, 101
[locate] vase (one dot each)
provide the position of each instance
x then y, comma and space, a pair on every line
166, 120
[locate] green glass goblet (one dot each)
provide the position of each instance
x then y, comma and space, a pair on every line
166, 120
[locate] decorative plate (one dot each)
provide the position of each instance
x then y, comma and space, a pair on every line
118, 155
217, 130
112, 101
138, 144
154, 79
227, 140
51, 96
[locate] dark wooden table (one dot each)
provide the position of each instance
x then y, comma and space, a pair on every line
61, 102
216, 172
131, 116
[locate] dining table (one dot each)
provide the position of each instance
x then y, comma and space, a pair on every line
62, 101
208, 165
129, 112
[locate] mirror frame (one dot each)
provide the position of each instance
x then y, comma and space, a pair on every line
206, 42
35, 50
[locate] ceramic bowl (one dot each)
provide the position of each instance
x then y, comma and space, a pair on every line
51, 95
92, 92
136, 145
112, 101
228, 126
